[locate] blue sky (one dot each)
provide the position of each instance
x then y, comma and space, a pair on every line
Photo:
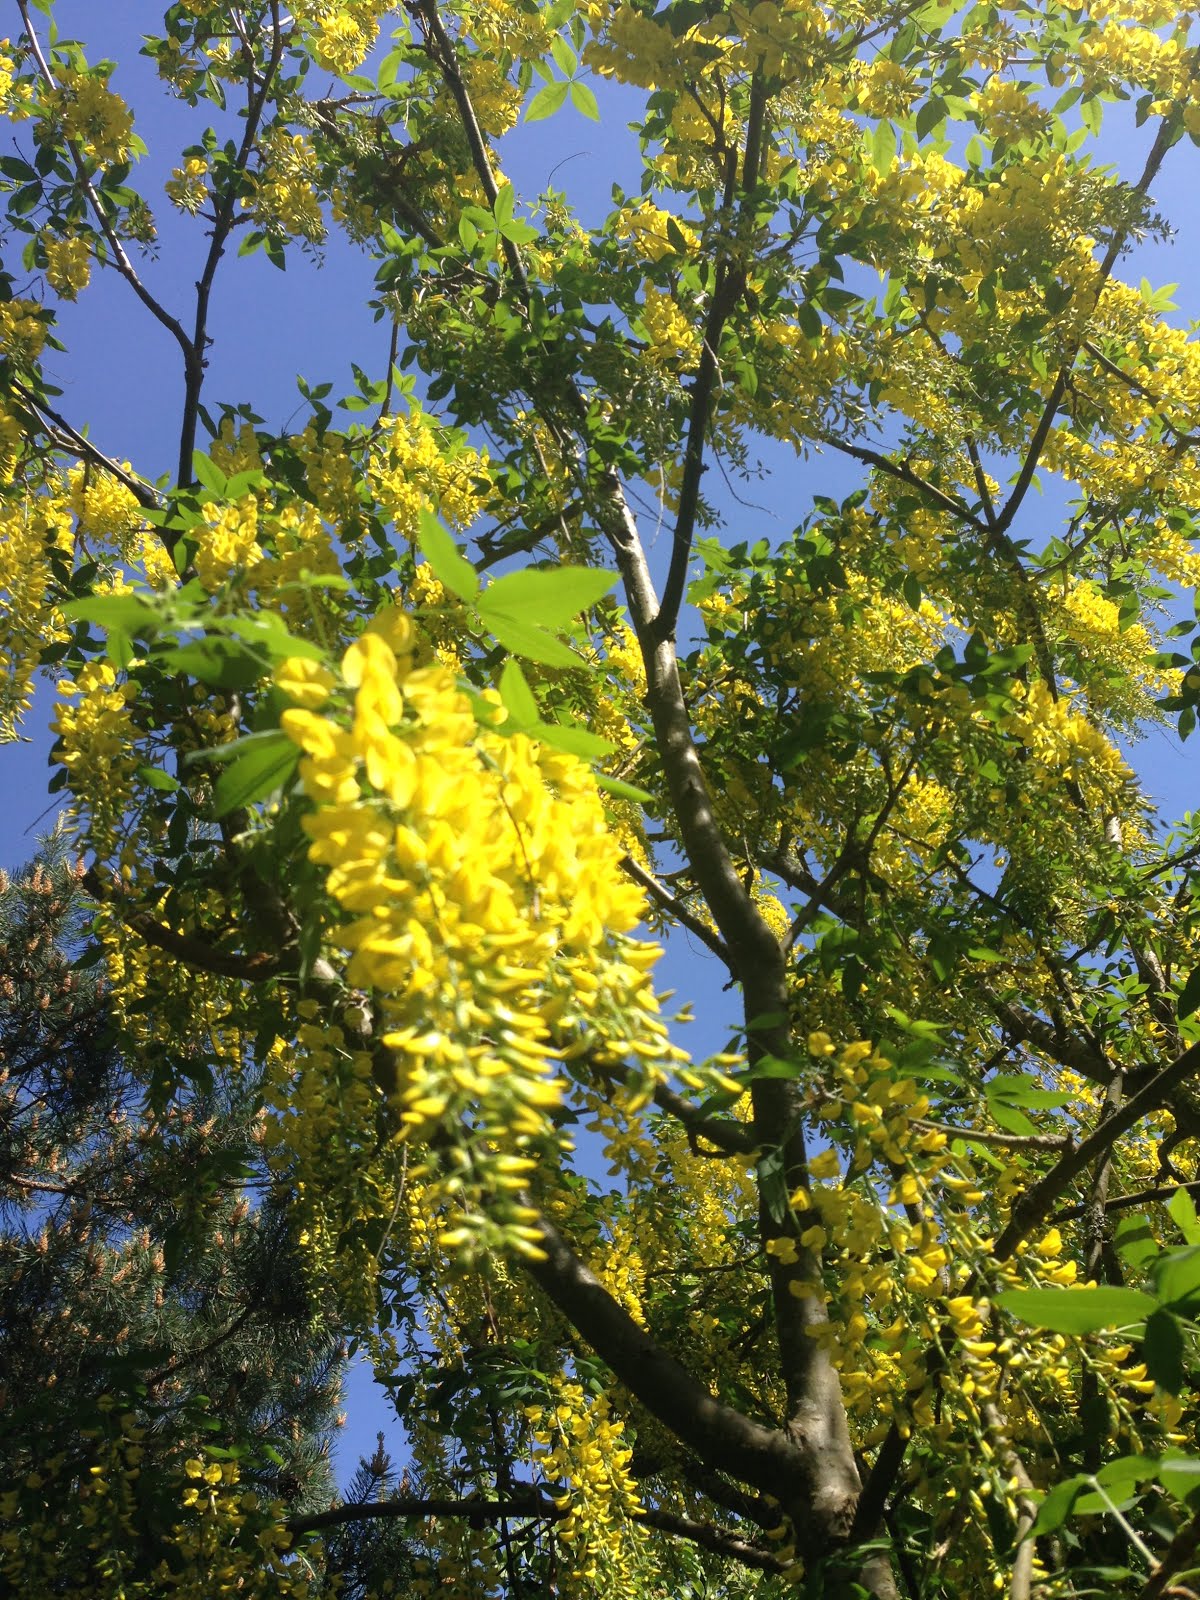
121, 374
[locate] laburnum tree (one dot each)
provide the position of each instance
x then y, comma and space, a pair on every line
393, 740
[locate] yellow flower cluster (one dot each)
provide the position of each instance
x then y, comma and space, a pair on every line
1064, 744
235, 452
329, 475
674, 337
228, 542
23, 329
71, 1529
81, 107
580, 1444
340, 33
68, 263
186, 187
284, 200
486, 916
8, 67
99, 749
1008, 111
412, 469
31, 528
1127, 678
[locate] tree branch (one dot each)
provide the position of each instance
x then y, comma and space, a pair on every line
1005, 517
720, 1436
223, 214
686, 919
1035, 1205
120, 257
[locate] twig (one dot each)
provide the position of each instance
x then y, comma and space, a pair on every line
1003, 1141
83, 447
687, 919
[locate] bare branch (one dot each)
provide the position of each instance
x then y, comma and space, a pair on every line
69, 438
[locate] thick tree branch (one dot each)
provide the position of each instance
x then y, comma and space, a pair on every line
1067, 1049
1002, 1141
193, 952
720, 1436
530, 1502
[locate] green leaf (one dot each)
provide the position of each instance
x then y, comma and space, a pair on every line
221, 663
1182, 1211
267, 631
449, 567
1078, 1310
207, 474
1162, 1351
623, 790
551, 597
1135, 1241
158, 779
1058, 1505
930, 114
1189, 995
565, 58
547, 101
234, 748
1176, 1277
574, 740
518, 697
525, 638
584, 101
128, 612
1017, 1089
883, 148
506, 198
256, 774
1179, 1474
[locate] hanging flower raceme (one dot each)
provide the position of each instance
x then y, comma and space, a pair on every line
486, 917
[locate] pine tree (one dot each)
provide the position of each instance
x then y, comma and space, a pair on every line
145, 1267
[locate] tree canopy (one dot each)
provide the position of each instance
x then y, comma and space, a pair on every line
394, 736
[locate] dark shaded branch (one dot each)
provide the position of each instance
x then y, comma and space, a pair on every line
949, 503
524, 1501
69, 438
1180, 1555
709, 1537
186, 947
223, 217
528, 1501
1127, 1202
1067, 1049
1003, 1141
719, 1435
